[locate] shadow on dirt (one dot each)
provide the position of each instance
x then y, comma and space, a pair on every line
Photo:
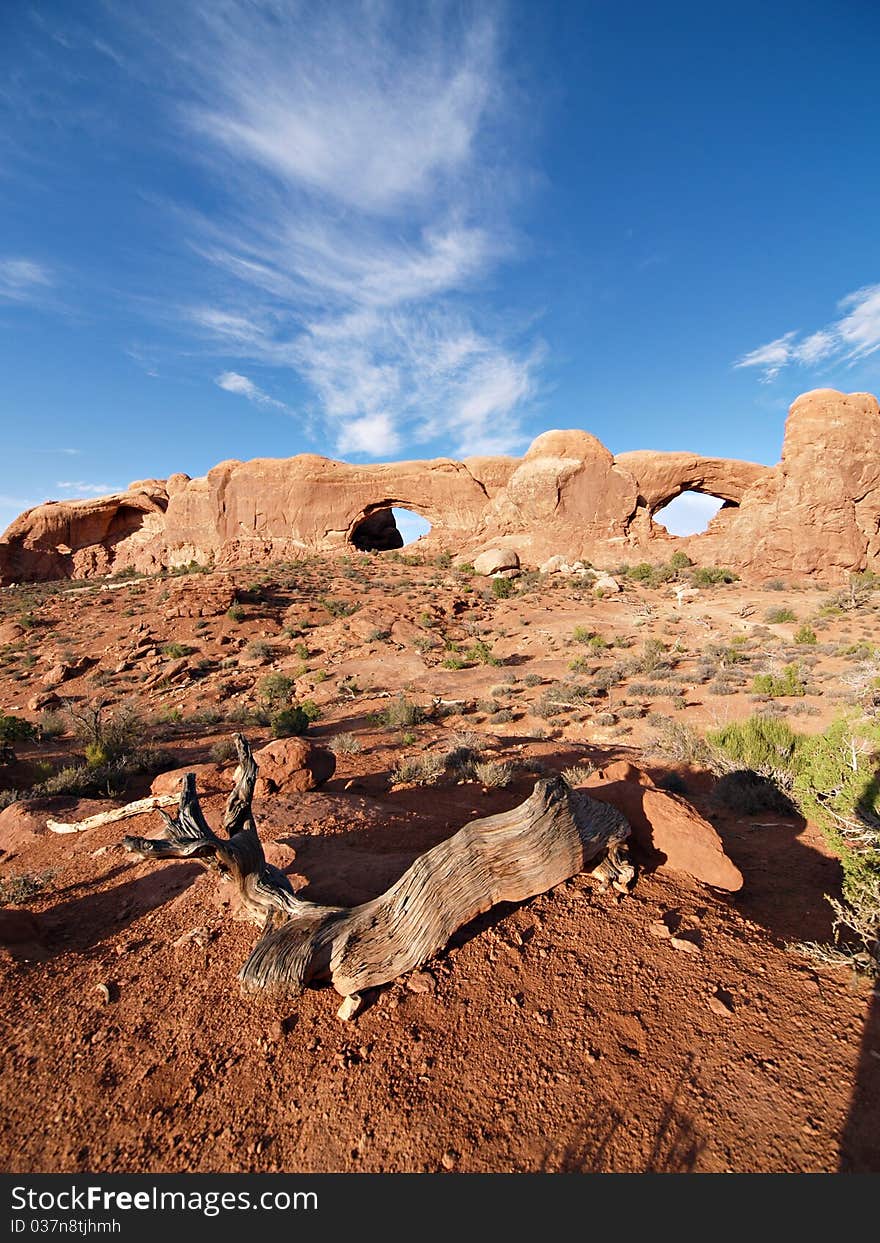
675, 1146
93, 918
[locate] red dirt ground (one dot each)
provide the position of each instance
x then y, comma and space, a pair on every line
569, 1033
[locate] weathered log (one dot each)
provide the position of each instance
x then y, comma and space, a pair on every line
555, 834
153, 802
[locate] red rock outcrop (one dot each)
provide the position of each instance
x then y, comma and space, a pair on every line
666, 831
817, 513
292, 766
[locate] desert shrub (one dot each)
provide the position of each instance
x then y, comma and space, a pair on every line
338, 608
653, 654
789, 682
275, 689
223, 751
838, 785
681, 742
653, 575
532, 679
502, 588
401, 712
761, 743
236, 613
345, 744
107, 735
417, 770
680, 561
833, 778
463, 753
454, 662
606, 678
23, 887
482, 653
176, 650
805, 634
501, 716
774, 616
712, 575
289, 722
14, 729
496, 773
260, 649
578, 774
748, 792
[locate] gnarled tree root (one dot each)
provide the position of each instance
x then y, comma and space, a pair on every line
555, 834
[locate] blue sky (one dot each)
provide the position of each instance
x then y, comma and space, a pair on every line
387, 230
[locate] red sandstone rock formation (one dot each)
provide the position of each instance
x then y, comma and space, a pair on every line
817, 513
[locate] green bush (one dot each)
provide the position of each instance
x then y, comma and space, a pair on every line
176, 650
275, 688
833, 778
295, 720
400, 713
481, 653
712, 575
15, 729
805, 634
762, 743
502, 588
338, 608
789, 682
774, 616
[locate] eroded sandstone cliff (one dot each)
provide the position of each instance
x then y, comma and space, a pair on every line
817, 513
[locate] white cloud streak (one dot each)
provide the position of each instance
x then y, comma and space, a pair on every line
79, 488
848, 339
23, 280
362, 213
232, 382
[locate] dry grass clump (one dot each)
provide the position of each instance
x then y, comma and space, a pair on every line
418, 770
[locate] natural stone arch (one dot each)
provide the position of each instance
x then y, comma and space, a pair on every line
375, 528
661, 477
690, 513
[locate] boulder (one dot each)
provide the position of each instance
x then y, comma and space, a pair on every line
667, 831
43, 699
494, 560
606, 584
64, 670
292, 765
210, 779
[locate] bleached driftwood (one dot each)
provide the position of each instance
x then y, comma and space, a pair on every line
555, 834
152, 803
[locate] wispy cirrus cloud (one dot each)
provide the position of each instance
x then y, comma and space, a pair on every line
232, 382
77, 487
852, 336
365, 212
23, 280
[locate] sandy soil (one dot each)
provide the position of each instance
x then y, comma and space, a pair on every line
566, 1034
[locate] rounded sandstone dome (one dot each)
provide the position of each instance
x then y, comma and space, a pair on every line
574, 443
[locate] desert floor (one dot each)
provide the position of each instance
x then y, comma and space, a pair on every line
569, 1033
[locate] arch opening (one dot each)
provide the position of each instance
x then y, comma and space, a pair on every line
690, 512
386, 527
